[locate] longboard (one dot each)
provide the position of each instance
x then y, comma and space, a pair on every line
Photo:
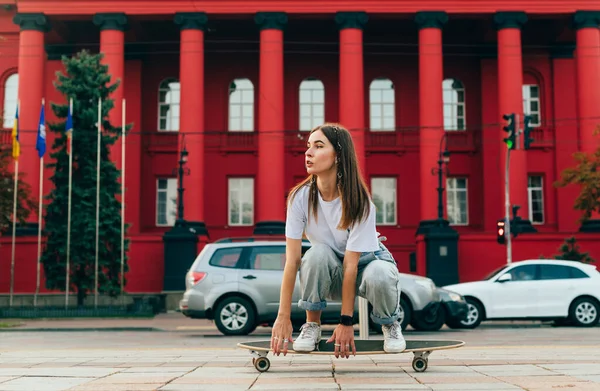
420, 348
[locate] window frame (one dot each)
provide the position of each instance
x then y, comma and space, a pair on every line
240, 206
384, 199
316, 120
454, 105
530, 190
239, 106
7, 115
527, 103
156, 211
161, 87
381, 104
456, 191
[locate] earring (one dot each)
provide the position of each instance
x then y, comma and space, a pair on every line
339, 175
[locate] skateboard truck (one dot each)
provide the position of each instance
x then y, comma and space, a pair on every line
420, 361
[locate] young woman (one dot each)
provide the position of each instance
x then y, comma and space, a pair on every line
332, 207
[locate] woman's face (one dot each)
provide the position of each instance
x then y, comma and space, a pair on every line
320, 155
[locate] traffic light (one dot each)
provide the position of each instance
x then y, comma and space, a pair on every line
511, 129
500, 232
527, 132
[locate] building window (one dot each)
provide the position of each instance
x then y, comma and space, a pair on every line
241, 105
11, 97
381, 98
457, 201
535, 199
168, 105
241, 201
312, 103
454, 105
531, 103
384, 198
166, 201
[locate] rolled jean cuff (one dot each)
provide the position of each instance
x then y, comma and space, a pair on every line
307, 305
390, 320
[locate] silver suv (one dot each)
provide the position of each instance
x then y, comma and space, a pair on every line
236, 282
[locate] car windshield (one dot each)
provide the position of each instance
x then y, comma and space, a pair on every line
495, 272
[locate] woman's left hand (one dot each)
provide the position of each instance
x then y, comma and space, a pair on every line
343, 337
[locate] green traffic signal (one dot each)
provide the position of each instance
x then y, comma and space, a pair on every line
511, 129
527, 132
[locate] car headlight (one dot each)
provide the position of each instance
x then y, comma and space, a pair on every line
455, 297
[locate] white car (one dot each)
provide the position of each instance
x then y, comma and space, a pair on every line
539, 289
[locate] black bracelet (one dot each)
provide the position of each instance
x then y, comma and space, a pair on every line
346, 320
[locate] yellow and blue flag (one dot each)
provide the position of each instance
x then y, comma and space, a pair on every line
69, 129
16, 145
40, 143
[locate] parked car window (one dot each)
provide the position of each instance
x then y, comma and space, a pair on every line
267, 258
560, 272
226, 257
523, 273
495, 273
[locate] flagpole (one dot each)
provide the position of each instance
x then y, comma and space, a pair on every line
14, 232
70, 149
123, 203
15, 189
39, 248
97, 202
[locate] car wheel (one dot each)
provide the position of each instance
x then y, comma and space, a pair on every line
432, 321
235, 316
474, 314
584, 312
404, 316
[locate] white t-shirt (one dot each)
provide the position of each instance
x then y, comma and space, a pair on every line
361, 237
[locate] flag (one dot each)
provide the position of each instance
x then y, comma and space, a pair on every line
69, 129
40, 143
16, 145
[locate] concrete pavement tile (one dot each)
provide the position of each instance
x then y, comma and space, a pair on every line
213, 380
35, 383
205, 387
475, 387
580, 386
298, 387
592, 378
6, 378
536, 381
158, 370
373, 373
382, 387
115, 387
511, 370
375, 379
136, 378
284, 381
456, 379
292, 372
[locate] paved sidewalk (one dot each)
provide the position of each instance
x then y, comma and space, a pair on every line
182, 369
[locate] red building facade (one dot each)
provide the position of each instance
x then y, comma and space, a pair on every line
240, 83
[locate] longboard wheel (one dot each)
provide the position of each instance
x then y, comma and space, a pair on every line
419, 364
262, 364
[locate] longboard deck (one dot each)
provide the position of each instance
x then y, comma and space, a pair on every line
362, 347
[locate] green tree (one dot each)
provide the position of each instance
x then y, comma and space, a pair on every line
586, 174
25, 204
86, 80
570, 251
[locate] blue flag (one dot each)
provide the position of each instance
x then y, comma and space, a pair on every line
69, 129
40, 143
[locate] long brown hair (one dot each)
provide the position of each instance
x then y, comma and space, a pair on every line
351, 185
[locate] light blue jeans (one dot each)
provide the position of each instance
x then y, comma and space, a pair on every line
321, 275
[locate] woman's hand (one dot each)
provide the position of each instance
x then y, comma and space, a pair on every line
281, 335
343, 337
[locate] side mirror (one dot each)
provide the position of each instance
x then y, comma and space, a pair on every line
505, 277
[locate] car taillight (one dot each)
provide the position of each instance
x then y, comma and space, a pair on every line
196, 277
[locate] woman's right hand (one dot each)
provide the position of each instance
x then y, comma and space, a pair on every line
281, 335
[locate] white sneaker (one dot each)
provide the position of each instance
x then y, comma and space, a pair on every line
393, 340
310, 335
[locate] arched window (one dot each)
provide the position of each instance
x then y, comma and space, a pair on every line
382, 105
241, 105
11, 97
531, 103
454, 105
312, 103
168, 105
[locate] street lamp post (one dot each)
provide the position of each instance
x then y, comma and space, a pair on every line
181, 171
443, 158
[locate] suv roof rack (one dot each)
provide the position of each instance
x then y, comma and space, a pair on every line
254, 239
